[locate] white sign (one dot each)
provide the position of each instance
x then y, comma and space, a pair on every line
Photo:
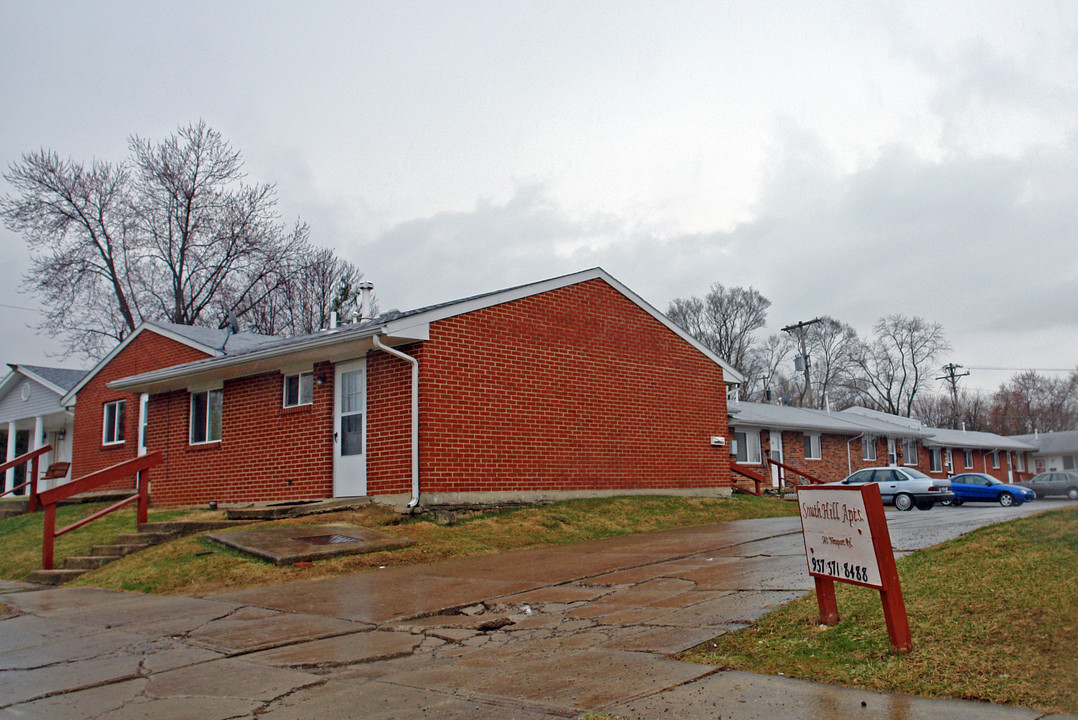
838, 539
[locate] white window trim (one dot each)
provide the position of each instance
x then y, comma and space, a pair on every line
967, 459
935, 460
191, 417
868, 448
906, 455
995, 460
299, 389
892, 451
117, 425
808, 446
751, 435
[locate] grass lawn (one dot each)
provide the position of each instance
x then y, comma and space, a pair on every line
993, 615
21, 535
194, 565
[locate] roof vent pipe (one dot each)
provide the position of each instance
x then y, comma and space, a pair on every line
365, 290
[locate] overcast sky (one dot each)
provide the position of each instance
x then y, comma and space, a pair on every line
851, 159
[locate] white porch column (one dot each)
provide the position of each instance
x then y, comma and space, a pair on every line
35, 442
9, 476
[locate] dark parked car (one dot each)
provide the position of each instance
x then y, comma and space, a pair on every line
903, 487
979, 487
1053, 483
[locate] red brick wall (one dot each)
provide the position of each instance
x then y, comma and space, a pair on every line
266, 452
149, 351
574, 389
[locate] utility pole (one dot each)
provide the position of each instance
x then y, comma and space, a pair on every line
800, 328
952, 377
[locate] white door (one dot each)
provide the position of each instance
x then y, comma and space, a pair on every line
777, 473
350, 429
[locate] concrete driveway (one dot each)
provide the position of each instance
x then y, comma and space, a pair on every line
544, 633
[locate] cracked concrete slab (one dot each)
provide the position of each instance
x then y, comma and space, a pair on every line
387, 701
339, 651
230, 678
745, 696
304, 543
253, 628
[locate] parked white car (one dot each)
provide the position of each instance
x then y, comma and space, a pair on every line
903, 487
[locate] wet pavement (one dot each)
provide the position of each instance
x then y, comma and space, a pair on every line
545, 633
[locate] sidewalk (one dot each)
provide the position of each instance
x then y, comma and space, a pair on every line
545, 633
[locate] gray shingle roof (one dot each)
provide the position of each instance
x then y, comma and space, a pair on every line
60, 377
1064, 442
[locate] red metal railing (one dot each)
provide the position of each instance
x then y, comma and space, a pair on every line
812, 480
756, 479
33, 458
759, 479
140, 466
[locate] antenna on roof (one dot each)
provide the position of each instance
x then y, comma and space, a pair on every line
233, 328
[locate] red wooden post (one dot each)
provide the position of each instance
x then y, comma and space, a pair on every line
50, 536
143, 497
898, 625
825, 598
32, 502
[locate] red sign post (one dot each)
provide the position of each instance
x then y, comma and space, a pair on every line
846, 539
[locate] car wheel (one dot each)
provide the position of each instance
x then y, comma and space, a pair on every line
1006, 499
1073, 493
904, 501
925, 504
957, 502
946, 502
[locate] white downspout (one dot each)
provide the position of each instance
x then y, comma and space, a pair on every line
415, 414
849, 460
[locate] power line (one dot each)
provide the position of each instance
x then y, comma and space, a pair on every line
20, 307
1020, 369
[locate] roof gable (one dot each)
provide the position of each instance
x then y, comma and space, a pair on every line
412, 324
207, 340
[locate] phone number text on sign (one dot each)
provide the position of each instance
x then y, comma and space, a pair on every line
838, 540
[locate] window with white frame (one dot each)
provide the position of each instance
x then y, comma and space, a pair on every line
935, 461
206, 416
909, 452
892, 452
968, 459
1069, 461
748, 446
298, 389
995, 459
868, 447
1020, 462
813, 450
113, 431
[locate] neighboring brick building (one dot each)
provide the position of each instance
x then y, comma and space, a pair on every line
831, 445
106, 421
571, 386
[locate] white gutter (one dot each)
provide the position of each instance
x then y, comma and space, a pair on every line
849, 460
415, 414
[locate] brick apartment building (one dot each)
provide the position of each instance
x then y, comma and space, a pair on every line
567, 387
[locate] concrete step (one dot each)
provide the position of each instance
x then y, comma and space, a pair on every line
88, 562
294, 508
54, 577
177, 528
143, 538
117, 550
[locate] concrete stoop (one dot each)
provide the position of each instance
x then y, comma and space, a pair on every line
148, 534
294, 508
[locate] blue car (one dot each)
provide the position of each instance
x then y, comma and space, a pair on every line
979, 487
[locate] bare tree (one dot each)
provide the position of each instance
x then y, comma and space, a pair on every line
318, 284
173, 233
766, 381
85, 262
833, 346
1033, 402
724, 320
896, 365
